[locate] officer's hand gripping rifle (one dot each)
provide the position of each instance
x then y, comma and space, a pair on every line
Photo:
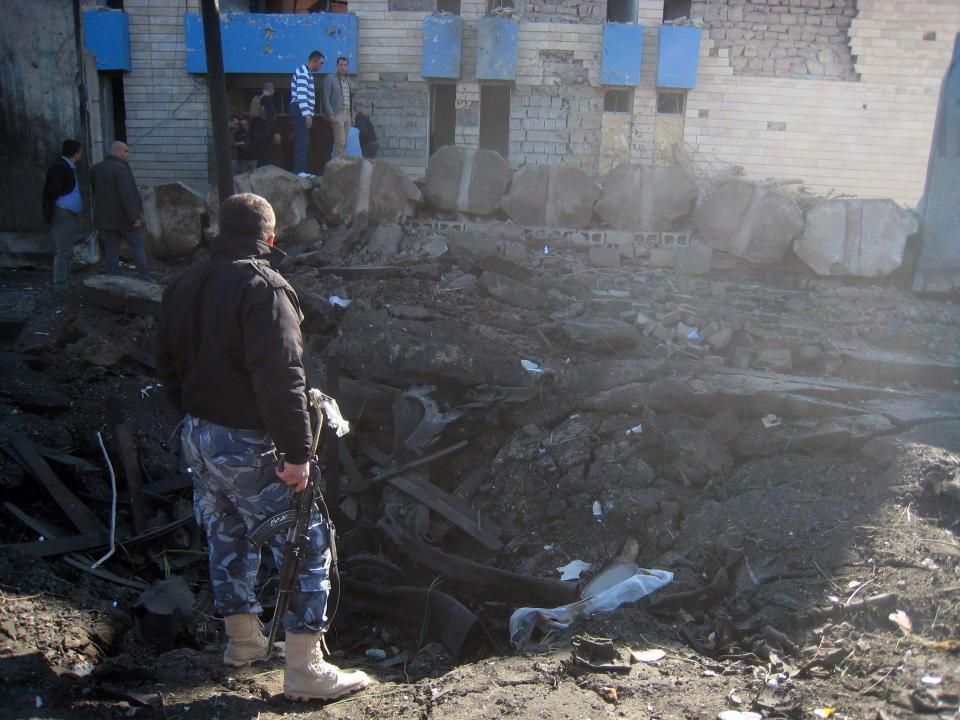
296, 521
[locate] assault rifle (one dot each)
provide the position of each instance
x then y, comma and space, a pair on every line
296, 521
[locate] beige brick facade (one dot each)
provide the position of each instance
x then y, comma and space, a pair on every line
868, 137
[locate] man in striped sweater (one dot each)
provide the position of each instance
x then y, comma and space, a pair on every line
302, 105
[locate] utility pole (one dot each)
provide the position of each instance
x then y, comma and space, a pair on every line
217, 89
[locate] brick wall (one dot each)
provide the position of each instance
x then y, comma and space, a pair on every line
168, 119
560, 11
869, 138
782, 38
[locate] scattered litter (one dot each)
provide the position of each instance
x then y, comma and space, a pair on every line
573, 570
597, 510
853, 584
548, 548
145, 390
824, 712
531, 367
901, 620
770, 421
931, 680
524, 620
929, 564
635, 430
546, 250
647, 656
739, 715
608, 693
339, 301
83, 668
709, 673
693, 335
735, 697
375, 653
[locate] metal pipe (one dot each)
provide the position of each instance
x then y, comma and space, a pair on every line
217, 91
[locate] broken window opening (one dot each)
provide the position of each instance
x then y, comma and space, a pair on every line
622, 11
618, 101
671, 102
495, 7
113, 113
450, 6
676, 9
443, 115
495, 118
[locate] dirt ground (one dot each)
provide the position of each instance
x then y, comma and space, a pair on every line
811, 579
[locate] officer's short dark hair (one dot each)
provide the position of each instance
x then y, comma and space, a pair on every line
248, 215
316, 54
70, 147
342, 59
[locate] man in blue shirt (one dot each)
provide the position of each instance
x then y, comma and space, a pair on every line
62, 206
302, 109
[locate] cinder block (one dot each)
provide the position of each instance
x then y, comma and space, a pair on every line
604, 256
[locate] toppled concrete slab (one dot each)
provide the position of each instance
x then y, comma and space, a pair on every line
754, 223
403, 352
893, 368
603, 336
466, 179
123, 294
551, 195
172, 220
285, 192
508, 290
363, 193
884, 450
832, 435
26, 250
862, 238
646, 198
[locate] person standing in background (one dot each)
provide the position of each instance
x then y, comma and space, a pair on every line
62, 205
303, 102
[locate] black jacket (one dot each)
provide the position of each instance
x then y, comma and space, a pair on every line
60, 181
117, 199
229, 347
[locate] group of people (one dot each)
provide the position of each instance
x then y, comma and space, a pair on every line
253, 135
338, 96
229, 354
118, 209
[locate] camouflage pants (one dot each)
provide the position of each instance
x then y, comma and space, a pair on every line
234, 488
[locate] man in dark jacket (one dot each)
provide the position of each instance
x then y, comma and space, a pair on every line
62, 205
229, 353
263, 124
118, 209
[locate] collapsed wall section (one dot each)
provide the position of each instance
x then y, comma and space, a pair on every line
782, 38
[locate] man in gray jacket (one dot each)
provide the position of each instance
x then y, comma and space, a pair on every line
118, 211
339, 99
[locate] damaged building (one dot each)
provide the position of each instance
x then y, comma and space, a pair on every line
807, 89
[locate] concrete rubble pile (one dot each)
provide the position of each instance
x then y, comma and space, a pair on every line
503, 378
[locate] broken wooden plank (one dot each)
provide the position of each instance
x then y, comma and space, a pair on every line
55, 546
81, 562
123, 436
452, 508
393, 472
487, 582
166, 484
141, 356
79, 514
